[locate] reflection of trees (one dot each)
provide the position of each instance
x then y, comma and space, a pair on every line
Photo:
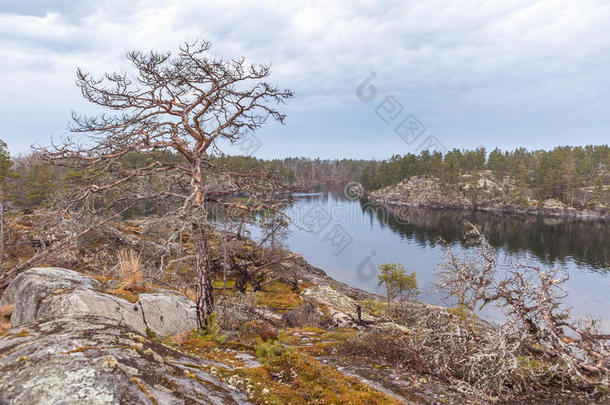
550, 241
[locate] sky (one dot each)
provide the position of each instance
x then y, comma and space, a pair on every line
371, 78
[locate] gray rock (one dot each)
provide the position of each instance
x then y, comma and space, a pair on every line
91, 360
52, 293
47, 278
87, 302
168, 314
307, 314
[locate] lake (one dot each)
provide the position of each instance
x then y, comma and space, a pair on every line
349, 238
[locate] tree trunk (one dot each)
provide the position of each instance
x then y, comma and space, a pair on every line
205, 294
387, 291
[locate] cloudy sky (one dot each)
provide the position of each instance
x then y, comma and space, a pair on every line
494, 73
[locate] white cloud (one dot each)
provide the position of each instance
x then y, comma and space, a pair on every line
486, 59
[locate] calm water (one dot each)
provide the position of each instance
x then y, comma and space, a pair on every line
348, 239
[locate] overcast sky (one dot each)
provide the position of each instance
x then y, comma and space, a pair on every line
532, 73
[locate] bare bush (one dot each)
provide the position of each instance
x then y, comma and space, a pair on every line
537, 324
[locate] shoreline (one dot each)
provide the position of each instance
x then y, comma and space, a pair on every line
570, 214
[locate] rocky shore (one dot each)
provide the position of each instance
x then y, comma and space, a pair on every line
484, 195
73, 341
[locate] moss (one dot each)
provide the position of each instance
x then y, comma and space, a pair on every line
218, 284
531, 363
268, 351
150, 334
21, 333
124, 294
298, 378
278, 296
373, 307
144, 390
81, 349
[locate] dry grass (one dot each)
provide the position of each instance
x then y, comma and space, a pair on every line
5, 317
181, 338
191, 294
131, 269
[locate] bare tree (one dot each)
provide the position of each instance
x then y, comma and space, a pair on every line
187, 104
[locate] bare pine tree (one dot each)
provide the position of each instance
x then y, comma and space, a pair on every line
185, 103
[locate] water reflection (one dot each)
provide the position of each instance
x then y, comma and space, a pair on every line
551, 240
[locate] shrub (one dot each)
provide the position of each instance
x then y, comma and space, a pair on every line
270, 350
211, 331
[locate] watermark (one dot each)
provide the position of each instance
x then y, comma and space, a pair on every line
331, 224
248, 145
393, 114
366, 270
316, 219
353, 190
338, 238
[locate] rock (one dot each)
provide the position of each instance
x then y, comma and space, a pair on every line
330, 297
85, 302
45, 279
91, 360
341, 319
52, 293
168, 314
307, 314
489, 196
552, 204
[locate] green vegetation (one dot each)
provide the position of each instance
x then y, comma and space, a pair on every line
270, 350
558, 174
397, 282
211, 330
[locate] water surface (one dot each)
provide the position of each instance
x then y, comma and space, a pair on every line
349, 238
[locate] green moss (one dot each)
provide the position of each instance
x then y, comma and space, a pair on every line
269, 351
124, 294
150, 334
278, 296
299, 378
211, 331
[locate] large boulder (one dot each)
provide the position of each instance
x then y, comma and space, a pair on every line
92, 360
168, 313
52, 293
85, 302
26, 290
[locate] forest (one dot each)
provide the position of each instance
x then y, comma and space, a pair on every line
556, 173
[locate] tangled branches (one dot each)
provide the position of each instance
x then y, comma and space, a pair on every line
537, 324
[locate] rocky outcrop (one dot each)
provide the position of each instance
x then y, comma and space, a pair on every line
484, 195
168, 313
52, 293
306, 314
40, 282
422, 191
93, 360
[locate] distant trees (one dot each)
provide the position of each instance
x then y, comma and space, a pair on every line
557, 173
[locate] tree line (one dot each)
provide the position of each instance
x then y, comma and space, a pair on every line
558, 173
